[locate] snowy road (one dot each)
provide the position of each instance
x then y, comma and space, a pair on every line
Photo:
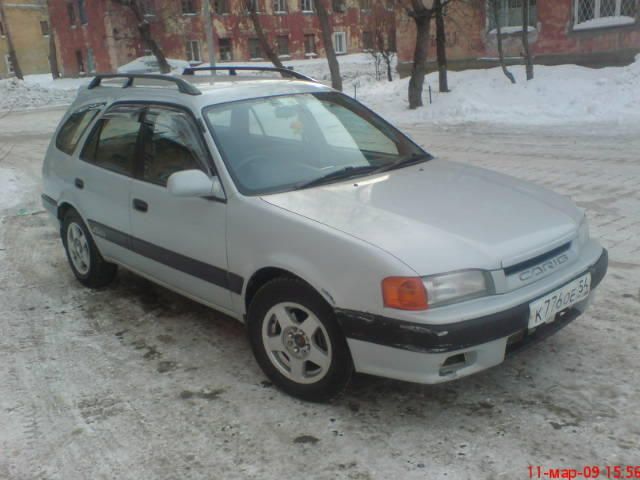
134, 382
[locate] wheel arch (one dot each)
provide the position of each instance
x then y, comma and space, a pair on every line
264, 275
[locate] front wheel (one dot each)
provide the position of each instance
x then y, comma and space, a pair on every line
297, 341
84, 258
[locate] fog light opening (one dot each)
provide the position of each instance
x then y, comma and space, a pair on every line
453, 363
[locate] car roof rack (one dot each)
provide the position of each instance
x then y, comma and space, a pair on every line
183, 85
286, 72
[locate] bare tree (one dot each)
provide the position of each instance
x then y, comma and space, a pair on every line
332, 60
441, 45
13, 57
421, 15
525, 39
252, 6
496, 19
144, 29
383, 49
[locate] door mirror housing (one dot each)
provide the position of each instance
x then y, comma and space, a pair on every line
195, 183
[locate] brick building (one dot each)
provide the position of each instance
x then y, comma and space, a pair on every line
28, 23
99, 36
585, 32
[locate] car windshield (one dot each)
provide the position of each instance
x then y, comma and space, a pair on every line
282, 143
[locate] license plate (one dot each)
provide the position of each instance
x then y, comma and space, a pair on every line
544, 309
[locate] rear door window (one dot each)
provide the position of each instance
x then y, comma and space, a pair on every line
113, 143
75, 126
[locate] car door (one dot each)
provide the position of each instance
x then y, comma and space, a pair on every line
179, 241
103, 179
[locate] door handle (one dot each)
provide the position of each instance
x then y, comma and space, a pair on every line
79, 183
140, 205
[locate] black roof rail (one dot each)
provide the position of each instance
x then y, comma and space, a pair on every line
285, 72
183, 85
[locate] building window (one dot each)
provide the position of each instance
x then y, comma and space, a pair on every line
339, 6
221, 7
255, 49
306, 5
604, 13
340, 42
253, 5
224, 50
91, 60
367, 41
80, 62
365, 4
9, 64
82, 13
510, 14
282, 42
310, 44
71, 13
193, 51
44, 27
280, 6
188, 7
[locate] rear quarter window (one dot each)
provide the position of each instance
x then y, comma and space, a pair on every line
74, 127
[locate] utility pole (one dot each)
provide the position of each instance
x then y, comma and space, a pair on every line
208, 30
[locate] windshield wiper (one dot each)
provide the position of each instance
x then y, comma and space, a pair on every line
341, 174
405, 161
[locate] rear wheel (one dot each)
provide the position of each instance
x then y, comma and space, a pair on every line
84, 258
297, 341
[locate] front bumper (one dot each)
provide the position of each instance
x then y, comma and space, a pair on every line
436, 353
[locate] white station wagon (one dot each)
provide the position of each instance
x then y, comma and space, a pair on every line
342, 244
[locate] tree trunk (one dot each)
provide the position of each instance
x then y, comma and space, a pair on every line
441, 47
53, 51
145, 33
525, 39
264, 44
422, 18
325, 28
387, 60
208, 30
13, 57
496, 18
53, 55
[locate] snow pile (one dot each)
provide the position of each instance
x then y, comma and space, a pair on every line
20, 95
559, 94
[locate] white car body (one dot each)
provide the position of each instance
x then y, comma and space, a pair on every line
342, 239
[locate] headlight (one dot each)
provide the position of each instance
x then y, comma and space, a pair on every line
457, 286
583, 232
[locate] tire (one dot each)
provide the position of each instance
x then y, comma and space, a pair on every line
291, 327
85, 260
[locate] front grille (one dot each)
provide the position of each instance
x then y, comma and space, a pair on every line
532, 262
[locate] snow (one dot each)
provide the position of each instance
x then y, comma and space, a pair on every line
36, 91
557, 95
605, 22
9, 187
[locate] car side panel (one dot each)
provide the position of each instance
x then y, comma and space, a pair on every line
345, 270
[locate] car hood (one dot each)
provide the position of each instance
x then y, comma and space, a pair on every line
442, 216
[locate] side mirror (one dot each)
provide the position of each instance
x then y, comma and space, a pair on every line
194, 183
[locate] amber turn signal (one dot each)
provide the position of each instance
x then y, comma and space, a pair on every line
404, 293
